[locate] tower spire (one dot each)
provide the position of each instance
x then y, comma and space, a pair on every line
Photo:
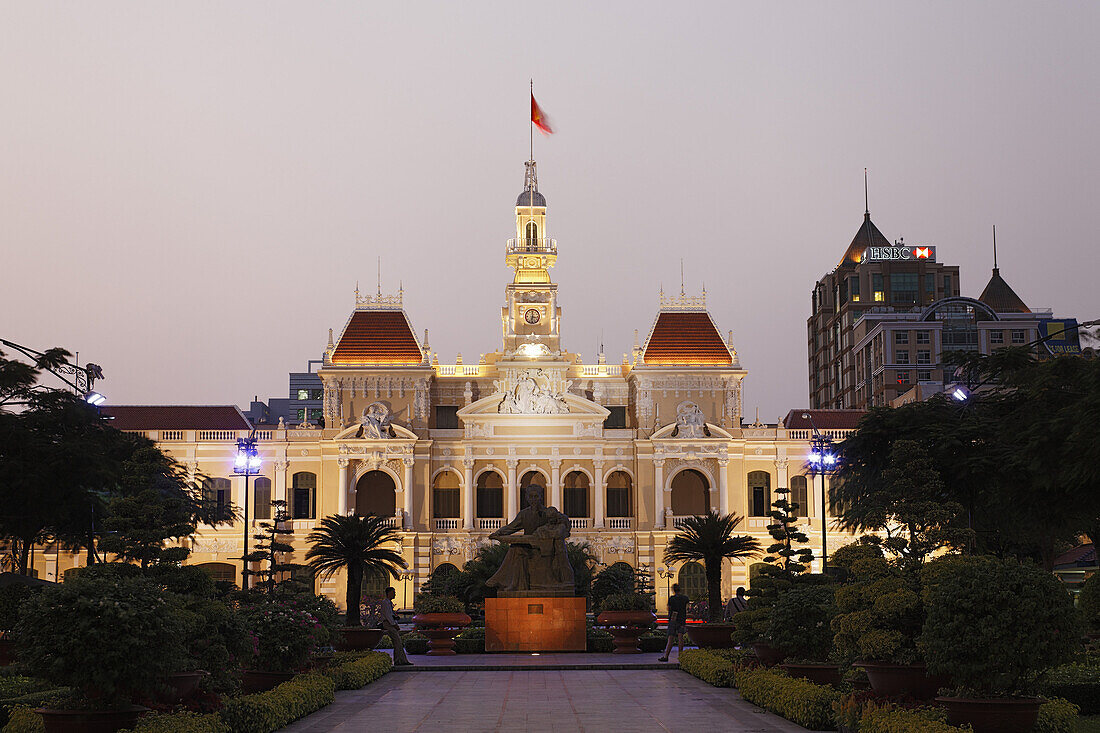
866, 200
994, 248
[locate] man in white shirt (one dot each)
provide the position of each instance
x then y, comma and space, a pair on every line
389, 624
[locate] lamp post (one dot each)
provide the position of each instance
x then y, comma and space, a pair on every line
247, 463
405, 578
821, 461
666, 573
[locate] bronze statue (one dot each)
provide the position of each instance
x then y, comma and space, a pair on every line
537, 562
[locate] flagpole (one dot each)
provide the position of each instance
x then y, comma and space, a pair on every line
531, 129
531, 123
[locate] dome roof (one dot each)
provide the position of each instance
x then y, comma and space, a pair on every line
526, 198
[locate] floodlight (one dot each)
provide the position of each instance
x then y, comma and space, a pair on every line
95, 399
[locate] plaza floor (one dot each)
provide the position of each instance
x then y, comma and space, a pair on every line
590, 699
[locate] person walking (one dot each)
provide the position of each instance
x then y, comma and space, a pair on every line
389, 624
677, 621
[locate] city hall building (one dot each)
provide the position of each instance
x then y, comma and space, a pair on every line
625, 450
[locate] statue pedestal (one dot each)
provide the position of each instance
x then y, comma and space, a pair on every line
535, 624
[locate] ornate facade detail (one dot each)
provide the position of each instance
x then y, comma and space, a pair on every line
343, 461
534, 392
478, 430
781, 463
375, 422
690, 422
216, 545
421, 403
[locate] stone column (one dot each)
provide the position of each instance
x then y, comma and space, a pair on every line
342, 499
598, 498
658, 493
280, 481
511, 498
723, 486
468, 493
781, 480
407, 483
555, 484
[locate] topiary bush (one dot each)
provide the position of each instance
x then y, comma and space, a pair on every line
359, 672
284, 636
627, 602
709, 666
889, 719
879, 612
425, 603
799, 623
185, 722
994, 625
24, 720
598, 640
1056, 716
11, 598
266, 712
1088, 603
613, 580
799, 701
1077, 683
471, 640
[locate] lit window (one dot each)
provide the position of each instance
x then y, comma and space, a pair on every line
903, 377
303, 394
877, 288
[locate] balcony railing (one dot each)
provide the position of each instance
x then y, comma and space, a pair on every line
445, 524
580, 522
538, 246
171, 435
489, 522
806, 434
217, 435
620, 523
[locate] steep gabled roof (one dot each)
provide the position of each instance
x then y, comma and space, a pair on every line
867, 235
1000, 297
376, 336
685, 338
823, 419
176, 417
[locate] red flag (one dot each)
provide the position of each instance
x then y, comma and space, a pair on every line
539, 118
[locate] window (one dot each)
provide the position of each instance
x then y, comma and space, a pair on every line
262, 498
924, 337
903, 287
532, 235
924, 356
800, 496
575, 498
690, 493
902, 357
304, 504
930, 286
311, 394
303, 394
903, 376
876, 286
901, 337
924, 375
445, 495
760, 493
996, 337
693, 581
853, 288
315, 414
618, 495
947, 286
218, 493
490, 495
617, 418
529, 478
446, 417
1018, 337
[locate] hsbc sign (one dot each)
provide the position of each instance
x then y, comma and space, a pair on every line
903, 253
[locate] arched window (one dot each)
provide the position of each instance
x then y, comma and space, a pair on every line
690, 493
532, 235
262, 498
800, 496
531, 477
220, 571
490, 495
619, 500
374, 586
375, 493
693, 581
575, 500
304, 494
445, 495
218, 495
760, 493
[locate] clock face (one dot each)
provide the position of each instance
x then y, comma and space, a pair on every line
532, 316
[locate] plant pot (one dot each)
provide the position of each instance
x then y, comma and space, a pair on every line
257, 680
768, 655
819, 674
441, 628
895, 680
993, 715
626, 628
89, 721
7, 651
714, 636
357, 638
182, 685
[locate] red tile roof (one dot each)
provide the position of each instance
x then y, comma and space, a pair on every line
685, 338
823, 419
176, 417
378, 337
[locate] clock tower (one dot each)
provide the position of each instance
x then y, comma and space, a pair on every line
531, 318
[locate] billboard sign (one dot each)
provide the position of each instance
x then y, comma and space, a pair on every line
1061, 334
899, 253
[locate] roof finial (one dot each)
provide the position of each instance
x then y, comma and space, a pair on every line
379, 274
681, 276
994, 248
866, 200
356, 291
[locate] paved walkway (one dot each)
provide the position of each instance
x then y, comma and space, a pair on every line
545, 660
624, 701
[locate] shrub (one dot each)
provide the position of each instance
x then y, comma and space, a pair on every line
11, 598
181, 723
877, 719
1088, 603
99, 635
359, 672
994, 625
1077, 683
413, 641
598, 640
284, 636
710, 667
879, 612
424, 603
471, 640
652, 641
19, 685
613, 580
800, 623
266, 712
1056, 716
799, 701
219, 642
44, 699
24, 720
627, 602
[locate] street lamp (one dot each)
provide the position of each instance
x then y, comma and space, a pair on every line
405, 578
821, 461
666, 573
247, 463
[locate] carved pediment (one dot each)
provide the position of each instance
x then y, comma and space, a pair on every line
583, 419
671, 432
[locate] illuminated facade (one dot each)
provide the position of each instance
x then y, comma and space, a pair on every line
625, 449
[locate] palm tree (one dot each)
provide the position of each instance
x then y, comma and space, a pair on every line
354, 544
710, 538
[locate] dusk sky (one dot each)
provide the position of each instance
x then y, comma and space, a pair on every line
189, 191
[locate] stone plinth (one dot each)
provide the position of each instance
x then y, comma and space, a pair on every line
545, 624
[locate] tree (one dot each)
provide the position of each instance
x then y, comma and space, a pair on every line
358, 546
786, 533
710, 538
269, 545
18, 380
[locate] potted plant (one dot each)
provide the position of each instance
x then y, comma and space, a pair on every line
994, 626
439, 618
710, 538
767, 582
283, 638
360, 546
111, 639
627, 616
799, 627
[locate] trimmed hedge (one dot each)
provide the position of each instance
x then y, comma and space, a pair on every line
19, 685
471, 640
356, 673
180, 723
1077, 683
266, 712
898, 720
33, 700
652, 641
24, 720
1056, 716
598, 640
708, 666
799, 701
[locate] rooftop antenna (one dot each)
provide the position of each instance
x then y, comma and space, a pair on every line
866, 200
681, 276
994, 248
379, 274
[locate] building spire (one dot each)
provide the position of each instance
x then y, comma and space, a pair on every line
866, 200
994, 248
